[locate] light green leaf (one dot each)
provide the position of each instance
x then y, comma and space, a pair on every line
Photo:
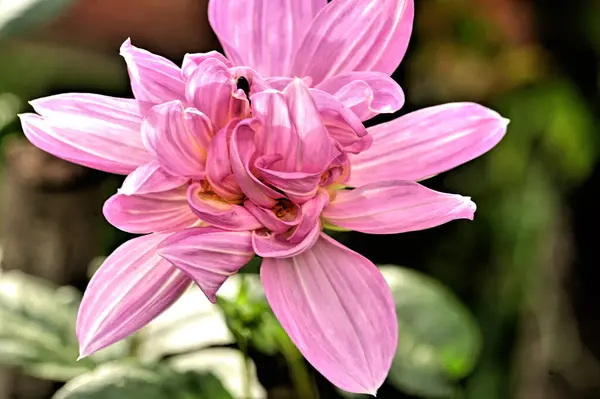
37, 327
16, 16
125, 381
439, 341
236, 372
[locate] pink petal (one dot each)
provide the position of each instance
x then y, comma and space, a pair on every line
291, 128
311, 210
243, 150
178, 139
359, 35
148, 213
191, 62
338, 172
298, 186
367, 94
103, 144
262, 34
280, 82
298, 239
269, 219
208, 255
427, 142
276, 135
216, 212
342, 124
337, 308
315, 150
218, 165
269, 245
150, 178
211, 89
396, 207
154, 79
123, 112
133, 286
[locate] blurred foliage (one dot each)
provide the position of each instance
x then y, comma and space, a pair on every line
123, 381
494, 51
249, 317
37, 334
37, 331
439, 340
17, 16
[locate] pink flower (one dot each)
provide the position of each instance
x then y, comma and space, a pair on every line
231, 157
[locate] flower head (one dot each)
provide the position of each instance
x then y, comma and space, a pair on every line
251, 154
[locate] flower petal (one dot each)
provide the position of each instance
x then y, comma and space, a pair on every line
298, 239
427, 142
133, 286
297, 186
191, 62
337, 308
154, 79
315, 149
218, 165
208, 255
101, 144
216, 212
211, 90
123, 112
291, 128
243, 150
380, 30
177, 138
150, 178
342, 124
311, 210
396, 207
149, 213
269, 245
281, 82
262, 34
276, 135
338, 172
271, 221
367, 94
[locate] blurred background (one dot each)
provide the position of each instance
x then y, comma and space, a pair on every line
504, 307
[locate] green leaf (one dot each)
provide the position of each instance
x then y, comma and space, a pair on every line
37, 327
249, 316
124, 381
439, 341
16, 16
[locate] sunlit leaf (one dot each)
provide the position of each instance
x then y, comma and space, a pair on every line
17, 16
124, 381
191, 324
229, 365
37, 327
439, 341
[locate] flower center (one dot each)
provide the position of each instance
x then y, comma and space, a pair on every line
283, 208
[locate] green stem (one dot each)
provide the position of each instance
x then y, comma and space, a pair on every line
301, 378
247, 389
